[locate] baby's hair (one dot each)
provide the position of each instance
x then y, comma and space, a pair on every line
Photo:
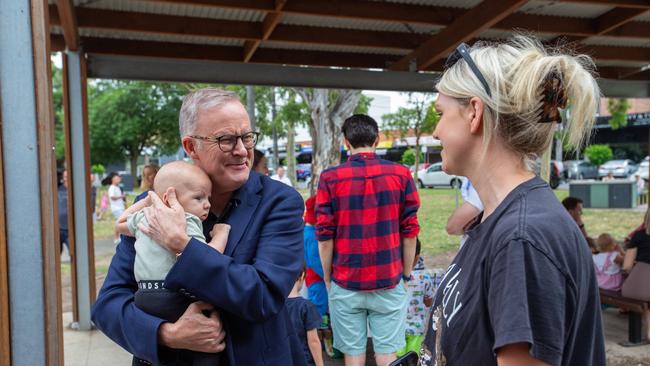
418, 246
177, 174
529, 84
605, 243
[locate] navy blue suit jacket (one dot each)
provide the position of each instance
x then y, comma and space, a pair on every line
248, 284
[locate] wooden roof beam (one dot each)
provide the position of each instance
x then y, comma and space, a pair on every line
68, 21
271, 20
109, 20
624, 73
605, 23
469, 25
616, 18
430, 15
630, 4
231, 53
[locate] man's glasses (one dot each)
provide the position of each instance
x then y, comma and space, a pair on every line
227, 143
462, 51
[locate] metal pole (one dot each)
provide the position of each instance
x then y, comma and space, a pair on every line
79, 178
28, 176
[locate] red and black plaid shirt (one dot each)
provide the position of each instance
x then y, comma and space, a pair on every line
366, 206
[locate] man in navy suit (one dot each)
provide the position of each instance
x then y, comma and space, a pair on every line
247, 285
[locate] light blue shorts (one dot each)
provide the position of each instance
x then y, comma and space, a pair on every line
382, 311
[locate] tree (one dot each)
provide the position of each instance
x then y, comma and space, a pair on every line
127, 117
293, 112
408, 157
618, 109
420, 117
57, 102
598, 154
328, 109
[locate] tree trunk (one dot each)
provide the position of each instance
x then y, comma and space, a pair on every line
327, 119
276, 159
291, 154
417, 158
133, 158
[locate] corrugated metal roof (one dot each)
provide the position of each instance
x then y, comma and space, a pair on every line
84, 32
332, 48
463, 4
376, 25
644, 17
500, 34
178, 9
617, 41
564, 9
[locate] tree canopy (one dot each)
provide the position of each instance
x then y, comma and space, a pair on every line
127, 117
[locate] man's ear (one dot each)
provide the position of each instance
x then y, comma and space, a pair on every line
475, 114
189, 145
347, 144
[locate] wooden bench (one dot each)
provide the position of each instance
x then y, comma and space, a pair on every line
635, 309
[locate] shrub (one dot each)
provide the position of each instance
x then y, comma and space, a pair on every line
598, 154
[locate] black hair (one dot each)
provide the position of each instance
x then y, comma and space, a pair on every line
571, 202
257, 158
360, 130
418, 246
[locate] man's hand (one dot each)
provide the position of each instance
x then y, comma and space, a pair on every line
194, 331
166, 225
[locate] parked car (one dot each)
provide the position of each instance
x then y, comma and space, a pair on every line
555, 173
435, 176
643, 166
580, 169
303, 172
619, 168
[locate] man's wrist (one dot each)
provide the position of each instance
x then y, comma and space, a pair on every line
165, 334
179, 243
406, 277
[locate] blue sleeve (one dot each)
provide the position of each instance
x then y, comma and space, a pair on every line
115, 313
312, 318
255, 291
312, 258
527, 298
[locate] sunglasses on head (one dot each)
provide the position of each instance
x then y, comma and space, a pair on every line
462, 52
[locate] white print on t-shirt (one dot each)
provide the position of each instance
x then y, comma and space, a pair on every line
451, 291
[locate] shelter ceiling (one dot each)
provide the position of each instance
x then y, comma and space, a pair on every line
403, 35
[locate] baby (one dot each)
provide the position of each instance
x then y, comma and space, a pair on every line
153, 261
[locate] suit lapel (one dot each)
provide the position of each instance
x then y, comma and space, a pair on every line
241, 215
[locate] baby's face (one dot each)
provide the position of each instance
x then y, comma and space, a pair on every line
195, 197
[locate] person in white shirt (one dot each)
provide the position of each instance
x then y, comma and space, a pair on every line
464, 215
116, 199
280, 176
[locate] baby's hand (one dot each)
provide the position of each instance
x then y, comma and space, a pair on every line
219, 236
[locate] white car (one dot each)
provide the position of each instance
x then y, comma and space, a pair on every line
435, 176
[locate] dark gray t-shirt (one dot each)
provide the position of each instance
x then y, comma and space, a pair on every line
525, 274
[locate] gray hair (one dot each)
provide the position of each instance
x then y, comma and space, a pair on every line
201, 99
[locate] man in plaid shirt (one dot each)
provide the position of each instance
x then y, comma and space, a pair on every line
366, 229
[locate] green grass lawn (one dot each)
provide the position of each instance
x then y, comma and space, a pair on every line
439, 203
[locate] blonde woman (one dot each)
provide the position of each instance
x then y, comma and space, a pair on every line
522, 290
148, 174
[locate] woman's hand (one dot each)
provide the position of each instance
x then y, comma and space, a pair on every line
166, 225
